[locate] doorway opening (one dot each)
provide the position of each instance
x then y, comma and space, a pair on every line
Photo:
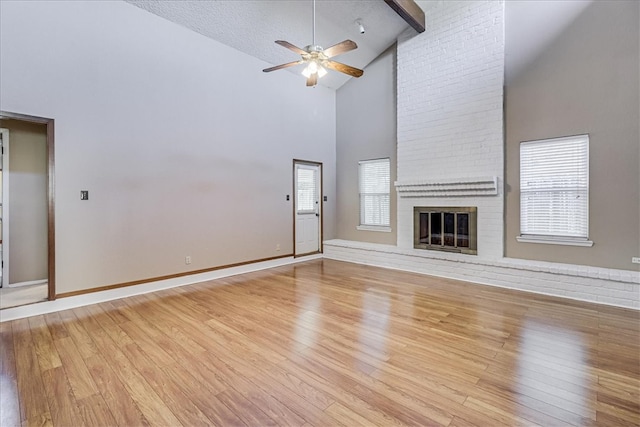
28, 220
307, 209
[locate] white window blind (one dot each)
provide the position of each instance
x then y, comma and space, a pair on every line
554, 188
307, 190
374, 192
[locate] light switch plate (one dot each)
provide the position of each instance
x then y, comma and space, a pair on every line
84, 194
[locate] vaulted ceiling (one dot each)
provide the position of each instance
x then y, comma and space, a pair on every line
252, 26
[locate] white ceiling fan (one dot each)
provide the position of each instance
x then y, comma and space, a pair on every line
317, 58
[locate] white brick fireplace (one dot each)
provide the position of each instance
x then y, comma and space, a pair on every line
450, 82
450, 153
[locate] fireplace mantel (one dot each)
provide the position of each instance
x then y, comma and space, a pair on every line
462, 187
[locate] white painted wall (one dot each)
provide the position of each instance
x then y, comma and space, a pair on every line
366, 129
185, 146
585, 79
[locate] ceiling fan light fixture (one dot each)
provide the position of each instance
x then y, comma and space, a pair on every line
314, 68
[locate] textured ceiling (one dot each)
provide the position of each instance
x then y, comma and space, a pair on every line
252, 26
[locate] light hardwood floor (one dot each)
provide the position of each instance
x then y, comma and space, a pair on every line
324, 343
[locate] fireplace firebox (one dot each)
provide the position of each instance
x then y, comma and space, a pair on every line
450, 229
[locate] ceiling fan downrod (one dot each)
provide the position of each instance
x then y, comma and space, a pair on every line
313, 26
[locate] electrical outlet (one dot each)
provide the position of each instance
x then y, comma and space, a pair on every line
278, 247
187, 260
84, 194
635, 259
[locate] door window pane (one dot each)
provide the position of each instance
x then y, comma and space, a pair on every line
307, 195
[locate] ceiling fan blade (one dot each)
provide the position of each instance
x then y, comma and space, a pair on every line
279, 67
312, 80
347, 69
289, 46
340, 48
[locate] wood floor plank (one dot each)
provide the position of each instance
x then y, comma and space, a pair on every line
45, 349
10, 405
619, 385
42, 420
150, 404
408, 408
77, 372
575, 403
114, 311
607, 419
90, 316
525, 406
56, 325
262, 397
166, 387
171, 326
122, 406
143, 337
246, 410
346, 416
285, 378
500, 415
95, 411
63, 404
306, 401
325, 343
203, 396
339, 394
612, 407
33, 400
204, 372
77, 332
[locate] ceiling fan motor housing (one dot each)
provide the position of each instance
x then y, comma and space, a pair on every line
312, 48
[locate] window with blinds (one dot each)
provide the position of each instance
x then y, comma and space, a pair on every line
554, 189
374, 177
307, 190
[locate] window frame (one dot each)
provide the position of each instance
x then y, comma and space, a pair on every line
565, 238
373, 227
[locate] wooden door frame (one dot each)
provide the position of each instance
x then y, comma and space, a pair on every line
6, 218
320, 202
51, 232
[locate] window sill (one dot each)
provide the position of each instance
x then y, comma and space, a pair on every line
550, 240
379, 228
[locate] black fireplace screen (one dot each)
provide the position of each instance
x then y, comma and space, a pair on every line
449, 229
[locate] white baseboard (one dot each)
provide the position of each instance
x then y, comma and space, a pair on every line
29, 283
112, 294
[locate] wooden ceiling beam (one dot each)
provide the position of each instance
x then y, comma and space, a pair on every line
410, 12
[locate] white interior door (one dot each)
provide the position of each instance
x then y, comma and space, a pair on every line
308, 209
